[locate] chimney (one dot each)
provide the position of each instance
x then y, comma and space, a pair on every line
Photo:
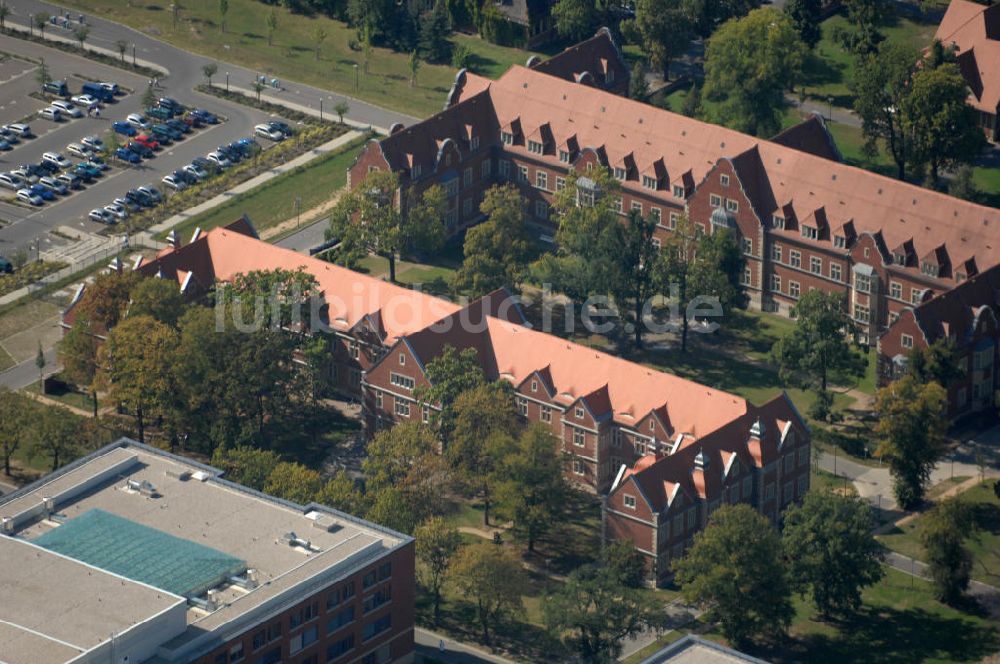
700, 462
173, 240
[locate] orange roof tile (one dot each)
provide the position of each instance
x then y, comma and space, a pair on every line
975, 30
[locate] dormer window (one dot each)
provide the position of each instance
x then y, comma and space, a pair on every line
564, 156
535, 147
678, 191
652, 425
810, 232
415, 171
777, 221
839, 241
629, 501
402, 359
960, 277
507, 138
898, 258
474, 143
534, 386
579, 413
619, 173
724, 179
929, 269
648, 182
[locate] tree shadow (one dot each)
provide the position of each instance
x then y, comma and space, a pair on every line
308, 433
987, 517
818, 71
252, 35
478, 63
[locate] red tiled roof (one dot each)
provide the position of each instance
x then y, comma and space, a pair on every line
955, 311
975, 30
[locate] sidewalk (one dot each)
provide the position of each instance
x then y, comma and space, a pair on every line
56, 37
987, 595
269, 95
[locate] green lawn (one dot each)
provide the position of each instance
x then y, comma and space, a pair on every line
66, 395
821, 480
293, 56
984, 543
900, 622
274, 201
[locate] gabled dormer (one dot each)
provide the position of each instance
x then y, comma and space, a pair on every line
845, 236
936, 264
511, 134
540, 141
903, 255
568, 150
654, 175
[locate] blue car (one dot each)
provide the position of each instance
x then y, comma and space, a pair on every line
124, 128
205, 116
5, 145
43, 191
127, 155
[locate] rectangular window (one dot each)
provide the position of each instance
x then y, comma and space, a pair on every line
451, 188
906, 340
503, 168
776, 253
301, 641
648, 182
636, 206
507, 138
546, 414
795, 258
425, 414
896, 290
732, 206
835, 273
564, 156
794, 289
522, 173
810, 232
352, 349
839, 241
816, 265
769, 491
467, 177
656, 214
339, 648
778, 222
376, 599
578, 412
629, 501
747, 245
674, 218
619, 173
467, 207
678, 191
915, 295
775, 283
485, 169
861, 313
715, 200
560, 183
862, 283
378, 398
578, 467
541, 210
404, 382
789, 492
535, 147
747, 277
724, 179
541, 179
402, 408
376, 627
474, 143
522, 406
579, 437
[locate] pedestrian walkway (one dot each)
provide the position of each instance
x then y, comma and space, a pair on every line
988, 596
273, 96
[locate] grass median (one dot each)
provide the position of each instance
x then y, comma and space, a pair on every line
274, 201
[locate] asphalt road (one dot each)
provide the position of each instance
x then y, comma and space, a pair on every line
27, 223
185, 67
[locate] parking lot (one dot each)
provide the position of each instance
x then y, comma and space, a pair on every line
18, 81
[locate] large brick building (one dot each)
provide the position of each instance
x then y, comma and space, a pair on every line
967, 316
131, 555
805, 220
973, 29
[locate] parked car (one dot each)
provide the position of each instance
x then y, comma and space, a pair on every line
139, 198
54, 185
159, 113
86, 101
101, 216
5, 145
171, 104
139, 150
67, 108
162, 130
151, 191
46, 168
131, 206
93, 142
194, 121
174, 182
219, 159
128, 156
56, 88
281, 126
25, 175
29, 197
11, 181
162, 135
78, 150
97, 90
137, 121
71, 181
19, 129
98, 163
234, 155
57, 159
34, 172
9, 136
117, 211
6, 266
204, 164
50, 113
148, 141
205, 116
86, 172
110, 87
41, 190
124, 128
178, 125
268, 132
198, 172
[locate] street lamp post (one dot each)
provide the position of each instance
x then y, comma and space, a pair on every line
31, 24
355, 77
320, 109
829, 100
227, 81
133, 54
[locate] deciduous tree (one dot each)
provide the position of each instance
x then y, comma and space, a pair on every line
806, 16
223, 13
77, 352
341, 492
638, 269
159, 299
294, 482
272, 25
749, 65
209, 70
497, 251
911, 435
943, 532
663, 28
249, 466
105, 299
405, 459
882, 81
940, 362
437, 544
16, 416
574, 19
493, 579
831, 551
734, 571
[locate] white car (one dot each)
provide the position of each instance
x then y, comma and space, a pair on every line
174, 183
11, 181
151, 191
78, 150
67, 108
268, 132
18, 129
136, 120
219, 159
57, 159
54, 185
101, 216
29, 197
116, 210
50, 113
86, 101
92, 142
125, 203
110, 87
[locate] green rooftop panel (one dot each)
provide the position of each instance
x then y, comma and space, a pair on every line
141, 553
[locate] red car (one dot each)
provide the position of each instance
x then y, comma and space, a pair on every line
144, 139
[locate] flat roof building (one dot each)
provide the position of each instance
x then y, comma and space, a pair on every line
133, 555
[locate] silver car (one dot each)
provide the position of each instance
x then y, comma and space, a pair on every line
11, 181
54, 185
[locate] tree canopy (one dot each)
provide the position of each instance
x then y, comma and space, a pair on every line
498, 250
492, 578
943, 532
